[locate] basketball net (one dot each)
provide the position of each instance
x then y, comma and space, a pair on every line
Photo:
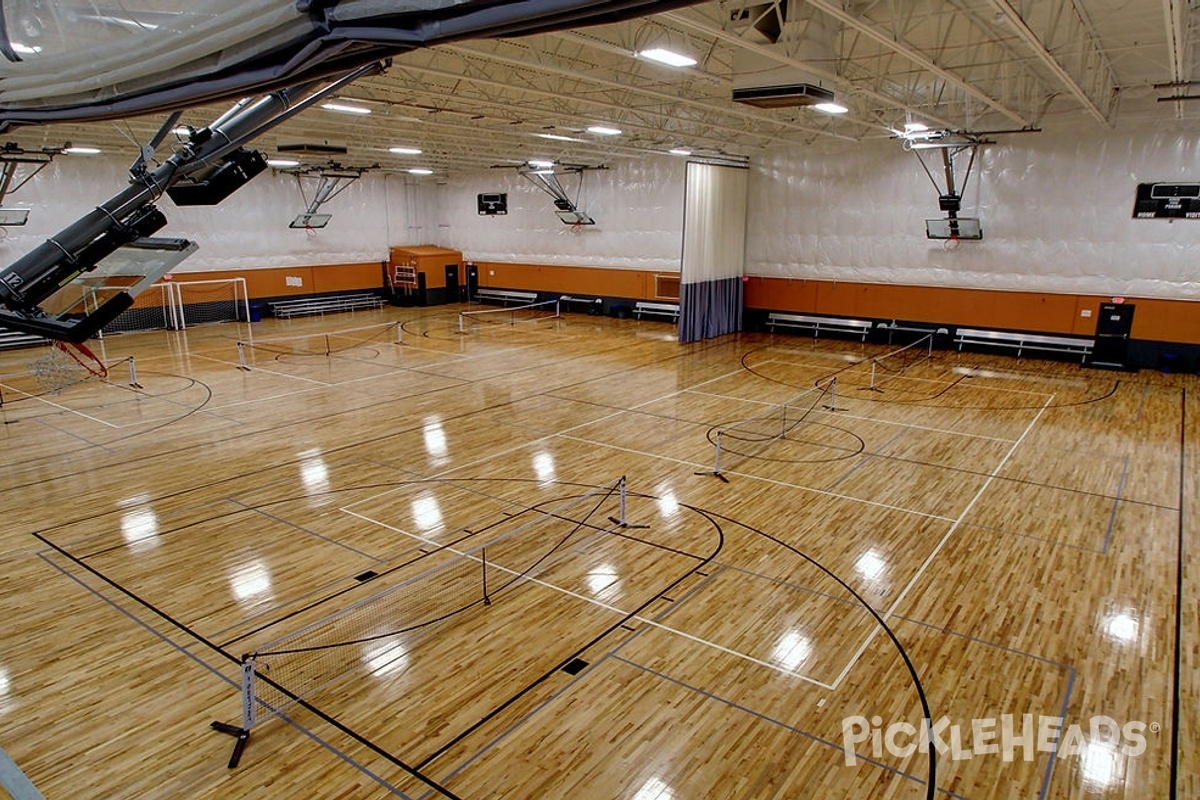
66, 365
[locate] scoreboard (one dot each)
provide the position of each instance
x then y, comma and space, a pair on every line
1167, 201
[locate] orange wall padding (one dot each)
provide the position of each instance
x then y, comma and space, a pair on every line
631, 284
1153, 320
272, 282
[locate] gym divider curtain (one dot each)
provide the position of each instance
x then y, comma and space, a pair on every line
714, 251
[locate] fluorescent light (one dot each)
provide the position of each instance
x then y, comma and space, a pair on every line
544, 171
831, 108
281, 163
915, 127
603, 130
680, 151
345, 109
668, 57
83, 150
405, 151
541, 164
26, 49
558, 137
420, 171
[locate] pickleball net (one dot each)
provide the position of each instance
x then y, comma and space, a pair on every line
512, 315
313, 665
751, 436
895, 363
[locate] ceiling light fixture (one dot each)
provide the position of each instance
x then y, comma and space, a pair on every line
558, 137
540, 163
83, 150
915, 127
405, 151
345, 109
668, 57
603, 130
282, 163
680, 151
420, 171
831, 108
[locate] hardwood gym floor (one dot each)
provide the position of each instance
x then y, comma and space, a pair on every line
1016, 526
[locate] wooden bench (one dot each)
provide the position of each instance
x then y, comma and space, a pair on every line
1024, 341
656, 309
503, 296
11, 340
304, 306
862, 327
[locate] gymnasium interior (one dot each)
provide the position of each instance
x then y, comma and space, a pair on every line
627, 399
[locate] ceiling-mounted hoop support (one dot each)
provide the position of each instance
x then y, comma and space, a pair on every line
332, 179
13, 156
546, 179
950, 144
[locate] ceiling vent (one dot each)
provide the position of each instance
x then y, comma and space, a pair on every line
312, 149
789, 96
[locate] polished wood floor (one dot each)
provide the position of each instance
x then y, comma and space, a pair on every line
977, 538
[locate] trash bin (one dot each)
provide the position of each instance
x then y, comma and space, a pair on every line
1169, 362
256, 312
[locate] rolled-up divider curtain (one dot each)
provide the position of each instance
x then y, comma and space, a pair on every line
714, 251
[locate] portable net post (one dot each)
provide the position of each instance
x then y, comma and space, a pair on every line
249, 714
832, 404
242, 357
133, 379
487, 600
622, 520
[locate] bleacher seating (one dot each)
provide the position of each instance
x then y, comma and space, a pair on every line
331, 304
670, 310
504, 296
11, 340
860, 327
1024, 341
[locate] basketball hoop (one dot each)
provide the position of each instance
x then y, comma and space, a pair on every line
952, 242
63, 367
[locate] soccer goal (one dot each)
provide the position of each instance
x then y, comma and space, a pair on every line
217, 300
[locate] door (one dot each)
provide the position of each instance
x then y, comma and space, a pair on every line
1112, 335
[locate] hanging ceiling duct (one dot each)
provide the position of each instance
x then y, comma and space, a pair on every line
797, 34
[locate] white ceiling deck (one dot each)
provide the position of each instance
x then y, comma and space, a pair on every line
970, 65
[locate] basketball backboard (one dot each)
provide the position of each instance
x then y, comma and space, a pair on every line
79, 308
961, 228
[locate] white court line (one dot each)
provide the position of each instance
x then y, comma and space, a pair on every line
548, 437
773, 481
597, 603
63, 408
847, 415
938, 549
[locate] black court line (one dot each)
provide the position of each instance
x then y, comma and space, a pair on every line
618, 625
1179, 543
186, 651
306, 422
370, 745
